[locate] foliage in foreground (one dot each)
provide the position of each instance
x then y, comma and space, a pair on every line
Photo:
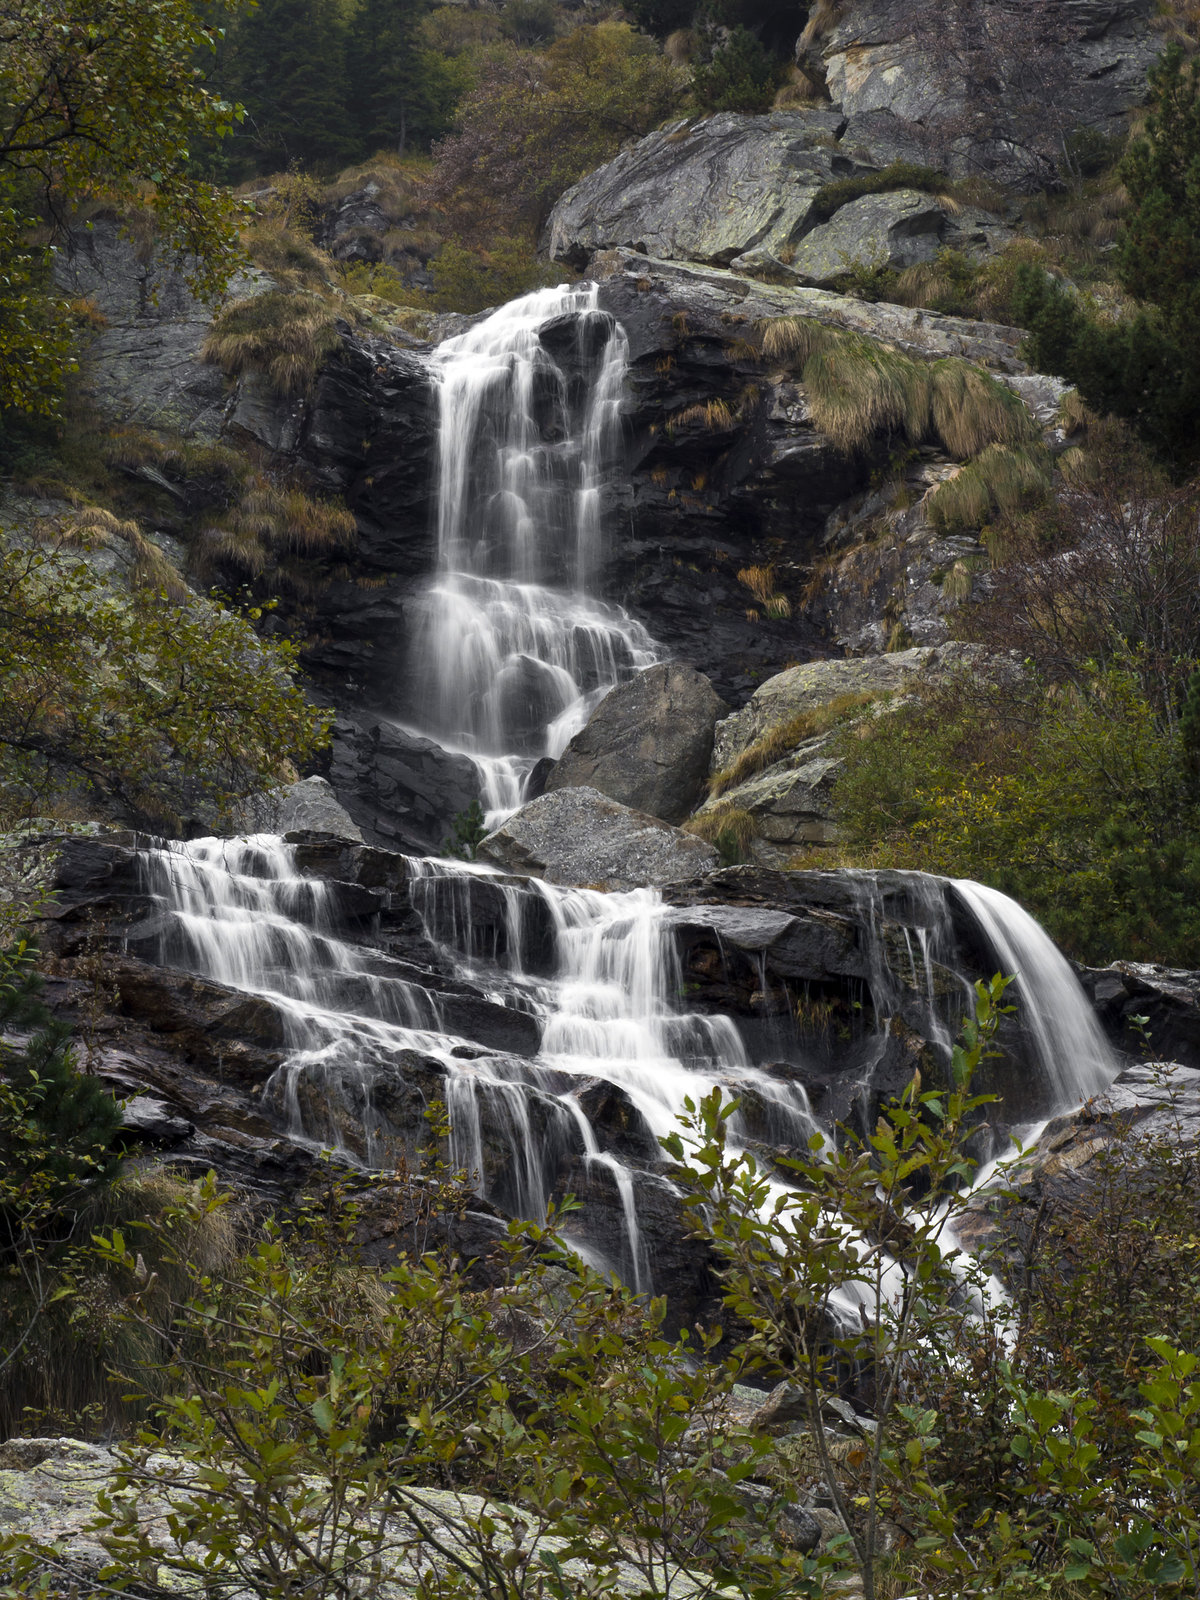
323, 1426
150, 706
1008, 1463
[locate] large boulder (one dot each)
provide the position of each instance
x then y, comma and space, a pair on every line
1006, 98
783, 772
648, 743
309, 806
815, 685
897, 229
708, 192
580, 836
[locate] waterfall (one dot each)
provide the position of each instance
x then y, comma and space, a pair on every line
1072, 1052
532, 1009
511, 650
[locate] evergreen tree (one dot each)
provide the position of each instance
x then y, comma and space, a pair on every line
400, 93
1147, 368
286, 62
56, 1126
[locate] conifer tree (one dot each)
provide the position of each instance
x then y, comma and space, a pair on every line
400, 94
286, 61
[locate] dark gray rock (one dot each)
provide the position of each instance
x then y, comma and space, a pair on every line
309, 806
580, 836
401, 789
1139, 1003
647, 744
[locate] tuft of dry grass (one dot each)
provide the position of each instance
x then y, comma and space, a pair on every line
715, 415
729, 828
1001, 479
93, 526
956, 585
971, 410
858, 388
268, 520
287, 336
785, 737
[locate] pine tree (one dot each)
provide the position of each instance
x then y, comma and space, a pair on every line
1146, 368
57, 1126
401, 94
286, 62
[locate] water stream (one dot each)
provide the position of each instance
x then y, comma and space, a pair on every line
539, 1008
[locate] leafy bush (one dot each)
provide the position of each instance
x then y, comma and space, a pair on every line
151, 707
532, 125
467, 278
325, 1427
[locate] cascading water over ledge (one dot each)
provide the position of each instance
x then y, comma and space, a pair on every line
512, 649
565, 1027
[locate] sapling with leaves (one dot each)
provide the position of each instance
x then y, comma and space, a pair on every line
328, 1428
851, 1264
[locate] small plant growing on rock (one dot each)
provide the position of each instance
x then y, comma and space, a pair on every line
467, 833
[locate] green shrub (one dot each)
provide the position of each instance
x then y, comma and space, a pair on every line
472, 279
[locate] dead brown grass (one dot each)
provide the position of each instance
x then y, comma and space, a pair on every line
785, 737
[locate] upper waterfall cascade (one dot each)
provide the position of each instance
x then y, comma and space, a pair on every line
512, 650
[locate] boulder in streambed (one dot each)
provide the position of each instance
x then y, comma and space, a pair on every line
648, 743
580, 836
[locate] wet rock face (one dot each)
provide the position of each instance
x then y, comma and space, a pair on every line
647, 744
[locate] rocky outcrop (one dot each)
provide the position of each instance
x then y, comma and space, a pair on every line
772, 759
403, 789
1006, 97
143, 366
1148, 1007
647, 744
1150, 1113
707, 192
580, 836
309, 806
897, 230
745, 191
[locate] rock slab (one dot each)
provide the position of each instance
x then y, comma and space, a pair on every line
648, 743
581, 837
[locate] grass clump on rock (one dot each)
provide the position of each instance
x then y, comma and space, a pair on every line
729, 828
859, 387
784, 737
287, 336
831, 197
1001, 478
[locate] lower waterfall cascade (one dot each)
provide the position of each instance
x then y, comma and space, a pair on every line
604, 1008
525, 1015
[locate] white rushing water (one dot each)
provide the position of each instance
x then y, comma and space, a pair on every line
531, 1047
512, 651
